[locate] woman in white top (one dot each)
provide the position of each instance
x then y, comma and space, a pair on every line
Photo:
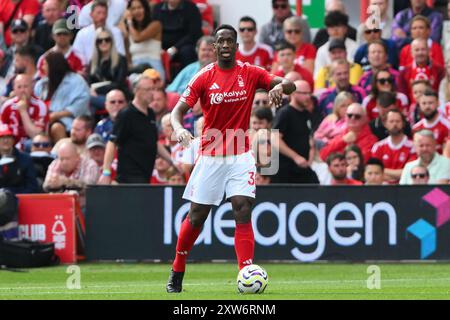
144, 36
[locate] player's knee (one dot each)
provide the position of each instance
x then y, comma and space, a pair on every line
197, 217
242, 210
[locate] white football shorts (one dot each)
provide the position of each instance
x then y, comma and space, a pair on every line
212, 176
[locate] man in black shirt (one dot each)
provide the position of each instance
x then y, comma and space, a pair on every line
182, 27
135, 136
296, 155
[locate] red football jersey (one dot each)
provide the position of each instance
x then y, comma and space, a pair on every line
446, 110
156, 179
436, 55
370, 105
305, 52
226, 98
440, 128
392, 156
261, 55
10, 115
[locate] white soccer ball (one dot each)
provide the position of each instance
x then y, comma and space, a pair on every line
252, 279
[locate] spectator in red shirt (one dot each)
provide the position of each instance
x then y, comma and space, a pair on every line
338, 169
421, 68
63, 37
433, 120
286, 58
250, 51
25, 114
305, 53
26, 9
421, 29
357, 132
395, 150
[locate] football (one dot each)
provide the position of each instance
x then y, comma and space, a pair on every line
252, 279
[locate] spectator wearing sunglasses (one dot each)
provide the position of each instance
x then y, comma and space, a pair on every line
108, 69
272, 32
41, 155
305, 53
115, 101
421, 29
420, 175
438, 166
250, 51
383, 81
383, 55
358, 132
385, 23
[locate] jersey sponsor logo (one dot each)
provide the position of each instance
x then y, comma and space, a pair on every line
215, 86
240, 81
217, 98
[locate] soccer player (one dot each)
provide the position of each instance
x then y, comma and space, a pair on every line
226, 89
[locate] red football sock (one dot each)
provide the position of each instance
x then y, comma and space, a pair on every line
244, 243
186, 239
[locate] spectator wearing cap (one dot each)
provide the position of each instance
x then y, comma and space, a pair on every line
438, 166
107, 70
322, 35
285, 53
340, 74
16, 168
205, 56
389, 57
42, 36
272, 31
115, 101
358, 132
14, 9
337, 51
96, 149
156, 78
84, 43
181, 28
337, 165
336, 23
116, 9
385, 23
401, 32
421, 28
62, 37
385, 102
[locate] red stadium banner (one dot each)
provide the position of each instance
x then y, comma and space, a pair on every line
50, 218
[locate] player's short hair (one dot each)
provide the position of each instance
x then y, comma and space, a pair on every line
421, 18
89, 122
379, 42
421, 81
375, 162
293, 20
424, 133
333, 156
99, 3
283, 45
29, 51
399, 113
336, 19
336, 63
209, 40
248, 19
226, 27
263, 113
427, 173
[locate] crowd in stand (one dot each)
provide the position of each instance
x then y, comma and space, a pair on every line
86, 90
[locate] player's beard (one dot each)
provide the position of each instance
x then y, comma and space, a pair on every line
431, 115
395, 132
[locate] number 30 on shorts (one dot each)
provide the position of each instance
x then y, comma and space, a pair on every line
251, 180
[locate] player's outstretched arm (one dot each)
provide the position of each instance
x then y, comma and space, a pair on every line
278, 87
182, 135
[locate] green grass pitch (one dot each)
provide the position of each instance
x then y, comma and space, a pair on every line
218, 282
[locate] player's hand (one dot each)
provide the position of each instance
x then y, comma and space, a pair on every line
184, 137
349, 137
301, 162
23, 104
104, 180
276, 96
